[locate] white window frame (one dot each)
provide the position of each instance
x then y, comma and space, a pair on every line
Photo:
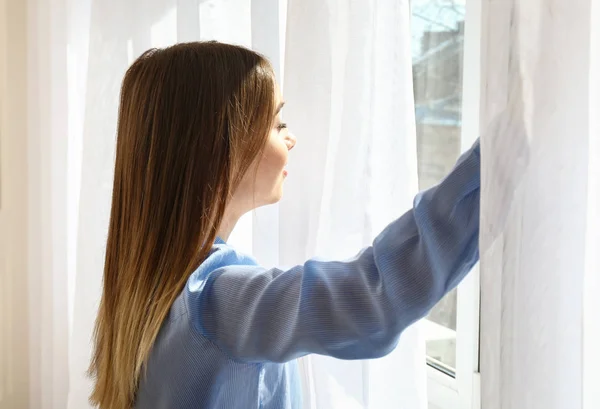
463, 390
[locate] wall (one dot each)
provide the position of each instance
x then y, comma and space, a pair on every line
33, 262
14, 329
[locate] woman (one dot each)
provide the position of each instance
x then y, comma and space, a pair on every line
185, 320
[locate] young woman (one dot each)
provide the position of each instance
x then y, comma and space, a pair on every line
185, 320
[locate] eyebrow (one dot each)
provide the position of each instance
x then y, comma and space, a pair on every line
281, 104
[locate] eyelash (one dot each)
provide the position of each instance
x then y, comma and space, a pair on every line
281, 126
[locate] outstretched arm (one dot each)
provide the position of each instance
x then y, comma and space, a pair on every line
354, 309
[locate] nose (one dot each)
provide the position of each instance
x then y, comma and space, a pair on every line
290, 141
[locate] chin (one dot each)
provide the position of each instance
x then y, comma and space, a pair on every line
277, 195
276, 198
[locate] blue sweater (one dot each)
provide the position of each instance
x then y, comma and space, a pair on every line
233, 335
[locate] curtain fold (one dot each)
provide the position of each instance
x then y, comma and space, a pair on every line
539, 204
46, 184
111, 41
591, 321
348, 84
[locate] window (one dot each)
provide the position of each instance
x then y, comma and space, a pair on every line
445, 45
438, 37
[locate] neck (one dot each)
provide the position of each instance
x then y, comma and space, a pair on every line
230, 219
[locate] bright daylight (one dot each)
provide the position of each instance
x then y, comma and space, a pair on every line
299, 204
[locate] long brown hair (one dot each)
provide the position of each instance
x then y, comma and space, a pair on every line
192, 119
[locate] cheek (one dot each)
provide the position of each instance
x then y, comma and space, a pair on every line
275, 156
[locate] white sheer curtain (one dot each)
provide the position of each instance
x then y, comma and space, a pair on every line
540, 265
348, 83
348, 86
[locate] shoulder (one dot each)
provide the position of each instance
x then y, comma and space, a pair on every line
222, 257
